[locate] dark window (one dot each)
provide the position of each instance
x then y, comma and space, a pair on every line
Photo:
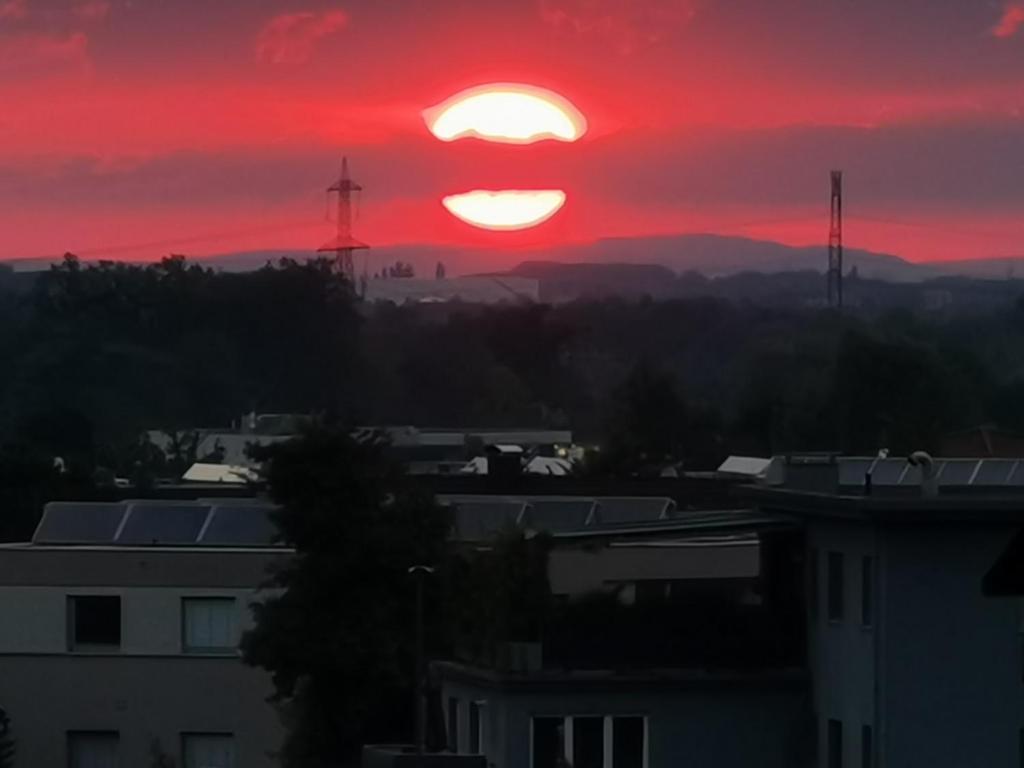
1020, 746
476, 746
835, 743
588, 742
867, 581
628, 742
208, 750
835, 586
547, 742
95, 620
812, 583
87, 749
453, 724
866, 747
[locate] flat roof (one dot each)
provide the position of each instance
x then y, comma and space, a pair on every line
583, 681
942, 507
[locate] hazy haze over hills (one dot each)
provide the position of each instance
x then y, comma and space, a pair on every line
712, 255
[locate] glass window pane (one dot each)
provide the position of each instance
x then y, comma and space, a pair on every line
588, 742
209, 624
628, 742
835, 586
453, 724
209, 751
92, 750
475, 747
835, 744
866, 747
866, 591
547, 742
95, 620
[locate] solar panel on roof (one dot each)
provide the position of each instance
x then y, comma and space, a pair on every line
851, 471
888, 471
638, 509
149, 523
481, 520
242, 525
79, 523
559, 515
994, 472
957, 472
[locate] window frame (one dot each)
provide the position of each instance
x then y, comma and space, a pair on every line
189, 650
71, 617
608, 731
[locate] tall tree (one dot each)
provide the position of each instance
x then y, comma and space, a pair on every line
338, 638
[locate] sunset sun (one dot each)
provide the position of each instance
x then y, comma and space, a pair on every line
507, 114
506, 210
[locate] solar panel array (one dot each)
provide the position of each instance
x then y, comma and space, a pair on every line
949, 473
207, 522
482, 517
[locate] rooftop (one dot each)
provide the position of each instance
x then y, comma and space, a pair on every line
204, 523
892, 487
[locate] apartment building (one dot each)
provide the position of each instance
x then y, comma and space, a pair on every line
914, 645
120, 636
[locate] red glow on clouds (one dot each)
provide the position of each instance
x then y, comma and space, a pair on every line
1013, 18
149, 124
291, 38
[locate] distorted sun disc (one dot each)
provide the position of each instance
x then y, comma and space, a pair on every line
507, 209
510, 113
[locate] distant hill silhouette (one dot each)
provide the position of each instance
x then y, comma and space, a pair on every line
711, 255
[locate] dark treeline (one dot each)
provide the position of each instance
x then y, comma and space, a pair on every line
94, 355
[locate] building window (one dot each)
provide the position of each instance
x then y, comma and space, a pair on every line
867, 581
866, 747
628, 737
548, 742
812, 583
208, 625
476, 727
92, 749
589, 741
94, 622
835, 586
835, 744
453, 724
208, 750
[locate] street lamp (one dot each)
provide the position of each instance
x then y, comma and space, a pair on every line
420, 571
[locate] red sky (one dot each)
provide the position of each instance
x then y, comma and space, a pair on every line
133, 128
